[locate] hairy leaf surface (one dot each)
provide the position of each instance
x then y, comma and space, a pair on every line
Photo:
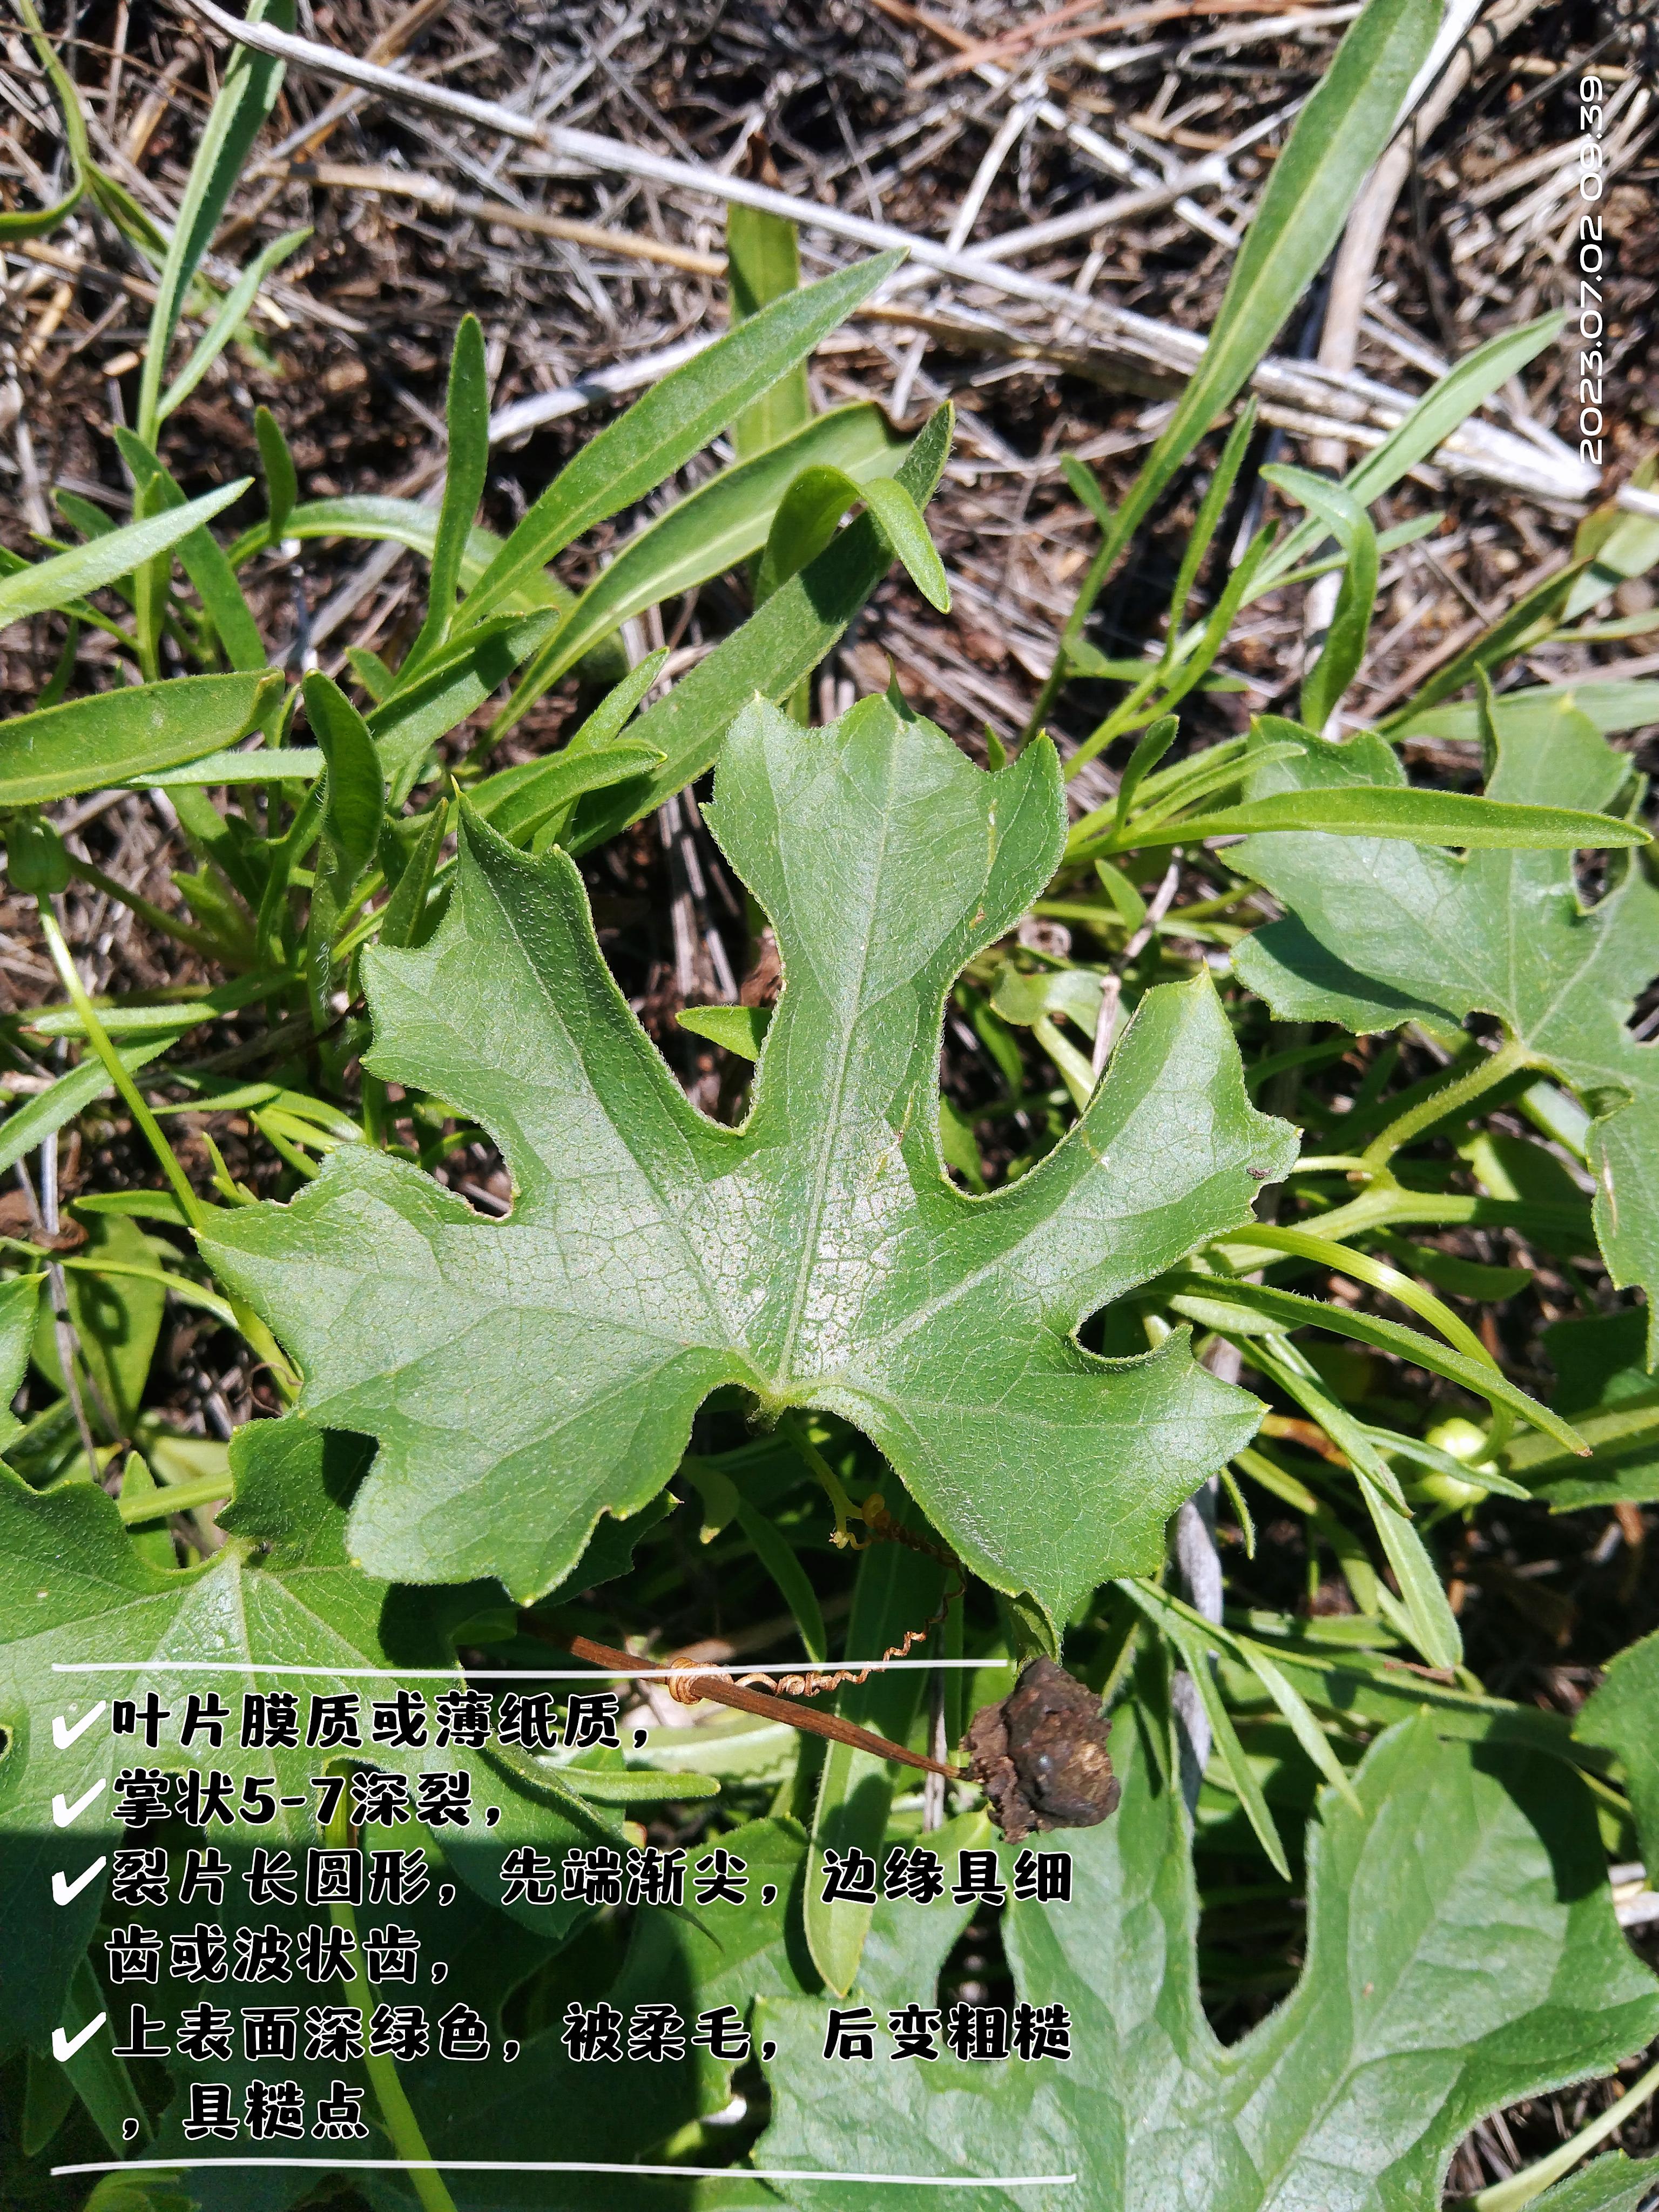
523, 1376
1462, 1954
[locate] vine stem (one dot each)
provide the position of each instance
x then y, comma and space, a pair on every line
196, 1214
99, 1037
1520, 2189
396, 2111
1511, 1057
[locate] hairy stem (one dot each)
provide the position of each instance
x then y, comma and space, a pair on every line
1484, 1077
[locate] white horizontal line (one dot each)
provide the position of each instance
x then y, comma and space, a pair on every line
504, 1675
586, 2166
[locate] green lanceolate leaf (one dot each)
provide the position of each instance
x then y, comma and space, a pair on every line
403, 918
1452, 1966
68, 576
716, 527
381, 520
784, 640
1607, 704
468, 417
1415, 818
251, 83
453, 682
282, 479
523, 800
1337, 137
90, 744
37, 223
26, 1127
1606, 1391
660, 431
1528, 620
228, 320
355, 793
203, 560
762, 265
1351, 622
263, 764
1436, 415
523, 1376
815, 502
283, 1591
1292, 1311
1367, 918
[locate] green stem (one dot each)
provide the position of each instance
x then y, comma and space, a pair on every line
1519, 2189
175, 1498
195, 1213
397, 2113
1495, 1069
792, 1430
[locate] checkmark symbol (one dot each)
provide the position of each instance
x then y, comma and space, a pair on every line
63, 2047
64, 1812
62, 1735
64, 1890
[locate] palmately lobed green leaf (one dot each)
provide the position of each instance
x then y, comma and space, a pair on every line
1462, 1953
1380, 933
524, 1375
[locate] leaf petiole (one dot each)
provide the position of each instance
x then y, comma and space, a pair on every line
174, 1497
793, 1431
1496, 1068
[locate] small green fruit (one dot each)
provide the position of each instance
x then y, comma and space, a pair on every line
1462, 1440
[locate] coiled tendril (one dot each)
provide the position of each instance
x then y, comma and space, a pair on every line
817, 1683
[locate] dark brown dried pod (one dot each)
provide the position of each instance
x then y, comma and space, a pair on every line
1041, 1757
